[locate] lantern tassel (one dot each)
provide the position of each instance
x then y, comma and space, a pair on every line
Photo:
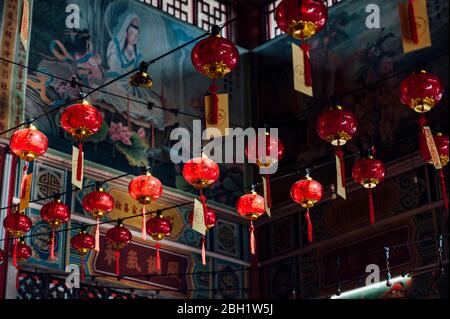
158, 257
268, 193
307, 64
252, 239
97, 236
214, 114
23, 182
203, 251
412, 22
15, 253
371, 209
309, 226
82, 267
340, 155
443, 189
203, 201
117, 255
52, 245
143, 226
80, 161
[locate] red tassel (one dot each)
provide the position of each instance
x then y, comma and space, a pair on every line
15, 253
268, 193
252, 239
144, 225
82, 267
117, 255
309, 225
371, 210
52, 245
412, 22
340, 155
203, 200
203, 251
214, 115
80, 161
307, 64
23, 183
443, 189
97, 236
158, 258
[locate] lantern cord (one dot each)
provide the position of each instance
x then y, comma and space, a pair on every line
268, 193
309, 225
214, 114
52, 245
82, 267
117, 255
443, 189
252, 239
80, 161
340, 155
203, 251
23, 182
158, 257
15, 253
97, 235
307, 63
412, 22
144, 225
371, 209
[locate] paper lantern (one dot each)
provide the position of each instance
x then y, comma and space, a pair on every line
82, 243
158, 227
421, 91
22, 251
307, 192
17, 224
118, 237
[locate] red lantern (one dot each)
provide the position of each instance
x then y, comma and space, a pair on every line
302, 20
145, 189
214, 57
421, 91
251, 206
158, 227
307, 192
28, 144
22, 251
368, 172
17, 224
337, 126
118, 237
210, 220
83, 243
98, 204
55, 214
81, 120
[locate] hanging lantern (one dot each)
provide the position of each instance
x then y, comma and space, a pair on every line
98, 204
17, 224
142, 78
274, 152
302, 20
22, 251
145, 189
118, 237
55, 214
441, 143
337, 126
83, 243
214, 57
28, 144
158, 227
421, 91
307, 192
368, 172
81, 120
251, 206
210, 221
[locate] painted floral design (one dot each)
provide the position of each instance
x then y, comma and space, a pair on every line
118, 132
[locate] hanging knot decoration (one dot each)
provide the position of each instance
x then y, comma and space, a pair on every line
441, 143
266, 158
118, 237
82, 243
55, 214
28, 144
210, 221
369, 172
98, 204
214, 57
158, 228
145, 189
141, 78
251, 206
81, 120
307, 192
337, 126
302, 20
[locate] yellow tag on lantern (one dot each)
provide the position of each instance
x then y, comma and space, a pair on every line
75, 181
265, 196
223, 118
340, 187
198, 220
25, 199
298, 66
422, 25
432, 147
